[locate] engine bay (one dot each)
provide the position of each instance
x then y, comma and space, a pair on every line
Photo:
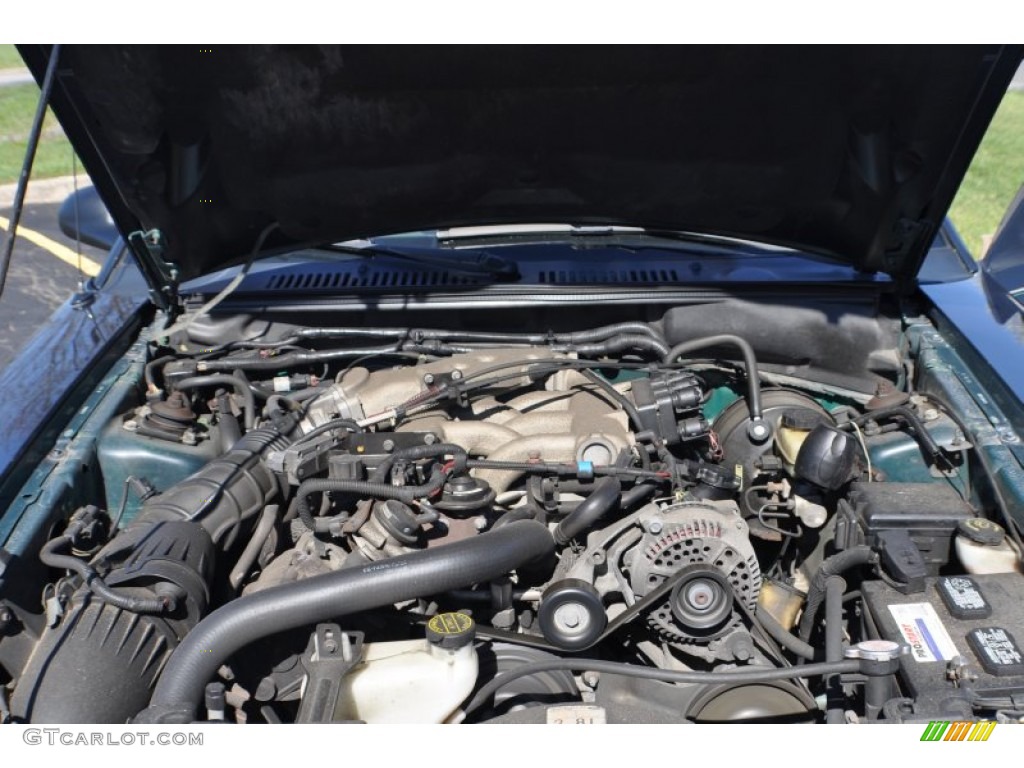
704, 517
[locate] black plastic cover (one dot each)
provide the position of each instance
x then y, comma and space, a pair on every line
902, 560
827, 458
929, 512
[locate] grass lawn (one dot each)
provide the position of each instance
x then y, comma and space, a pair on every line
53, 158
9, 57
995, 175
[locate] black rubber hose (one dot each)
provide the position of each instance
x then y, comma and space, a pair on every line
230, 430
92, 581
835, 586
729, 677
348, 424
605, 497
367, 489
377, 486
921, 434
525, 512
620, 399
294, 359
227, 630
621, 343
749, 363
151, 366
783, 637
637, 494
564, 470
417, 452
240, 385
836, 565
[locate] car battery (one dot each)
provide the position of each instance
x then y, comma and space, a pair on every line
979, 618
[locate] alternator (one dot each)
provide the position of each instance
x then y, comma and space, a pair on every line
710, 544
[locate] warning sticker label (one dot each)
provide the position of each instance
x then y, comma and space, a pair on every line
923, 630
963, 598
996, 650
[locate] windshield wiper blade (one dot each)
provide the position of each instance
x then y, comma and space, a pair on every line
629, 237
479, 263
624, 237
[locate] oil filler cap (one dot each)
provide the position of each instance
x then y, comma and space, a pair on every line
982, 531
451, 630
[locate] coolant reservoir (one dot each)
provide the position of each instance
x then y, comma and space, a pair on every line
413, 681
982, 547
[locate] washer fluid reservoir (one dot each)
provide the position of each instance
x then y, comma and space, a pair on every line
983, 547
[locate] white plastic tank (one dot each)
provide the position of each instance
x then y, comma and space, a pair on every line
983, 547
413, 681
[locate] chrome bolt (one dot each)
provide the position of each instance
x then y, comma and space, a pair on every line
655, 526
428, 379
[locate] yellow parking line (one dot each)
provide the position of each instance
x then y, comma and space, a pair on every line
65, 254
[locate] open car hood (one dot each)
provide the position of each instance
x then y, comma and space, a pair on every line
854, 153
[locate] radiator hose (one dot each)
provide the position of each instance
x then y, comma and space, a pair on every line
288, 606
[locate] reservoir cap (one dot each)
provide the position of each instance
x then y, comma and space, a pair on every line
982, 531
450, 630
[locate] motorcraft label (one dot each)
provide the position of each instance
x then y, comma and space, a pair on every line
924, 632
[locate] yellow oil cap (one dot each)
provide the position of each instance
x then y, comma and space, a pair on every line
451, 630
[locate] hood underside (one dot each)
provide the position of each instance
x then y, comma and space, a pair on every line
853, 153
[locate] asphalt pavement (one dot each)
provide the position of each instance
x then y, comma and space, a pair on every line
39, 279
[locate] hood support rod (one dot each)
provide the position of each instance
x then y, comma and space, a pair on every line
26, 166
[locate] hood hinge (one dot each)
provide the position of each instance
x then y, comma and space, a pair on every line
149, 247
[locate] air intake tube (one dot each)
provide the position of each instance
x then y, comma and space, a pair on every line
340, 593
225, 493
100, 663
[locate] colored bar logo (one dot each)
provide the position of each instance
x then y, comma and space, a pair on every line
961, 730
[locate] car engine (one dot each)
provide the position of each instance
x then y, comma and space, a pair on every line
624, 523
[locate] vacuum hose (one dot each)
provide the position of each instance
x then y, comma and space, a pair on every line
836, 565
347, 591
606, 494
